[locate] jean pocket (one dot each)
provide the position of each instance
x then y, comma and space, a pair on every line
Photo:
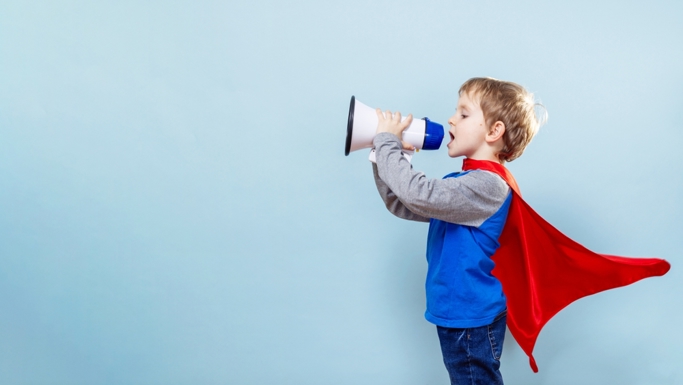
497, 336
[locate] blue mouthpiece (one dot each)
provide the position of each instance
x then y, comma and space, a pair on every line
433, 135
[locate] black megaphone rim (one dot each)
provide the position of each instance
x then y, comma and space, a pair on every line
349, 126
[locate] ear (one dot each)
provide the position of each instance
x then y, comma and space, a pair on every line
495, 132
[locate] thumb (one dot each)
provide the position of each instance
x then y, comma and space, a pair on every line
408, 146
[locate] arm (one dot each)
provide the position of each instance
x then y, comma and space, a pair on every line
469, 199
391, 201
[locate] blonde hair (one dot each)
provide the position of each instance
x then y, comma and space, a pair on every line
511, 104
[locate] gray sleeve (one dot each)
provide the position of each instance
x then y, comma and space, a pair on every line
391, 201
468, 200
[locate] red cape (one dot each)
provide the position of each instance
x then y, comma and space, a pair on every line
542, 270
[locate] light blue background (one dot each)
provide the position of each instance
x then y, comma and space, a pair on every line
175, 206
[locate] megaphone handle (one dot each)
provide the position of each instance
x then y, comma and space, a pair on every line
406, 153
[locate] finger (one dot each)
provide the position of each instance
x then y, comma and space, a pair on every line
397, 116
380, 115
388, 114
408, 121
408, 146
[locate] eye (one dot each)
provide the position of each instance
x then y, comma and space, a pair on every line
463, 116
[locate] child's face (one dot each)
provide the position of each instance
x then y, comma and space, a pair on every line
468, 129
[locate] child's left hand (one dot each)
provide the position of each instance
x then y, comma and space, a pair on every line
392, 123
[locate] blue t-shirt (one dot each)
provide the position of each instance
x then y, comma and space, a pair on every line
461, 291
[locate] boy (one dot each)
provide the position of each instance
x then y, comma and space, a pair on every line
479, 212
494, 121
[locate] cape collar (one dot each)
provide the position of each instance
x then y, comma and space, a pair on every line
497, 168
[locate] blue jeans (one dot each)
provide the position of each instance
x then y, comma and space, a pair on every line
472, 355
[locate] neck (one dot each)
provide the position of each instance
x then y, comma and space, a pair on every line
487, 152
488, 157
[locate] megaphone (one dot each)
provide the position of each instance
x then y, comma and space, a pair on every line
423, 134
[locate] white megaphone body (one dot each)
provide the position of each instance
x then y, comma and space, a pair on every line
423, 134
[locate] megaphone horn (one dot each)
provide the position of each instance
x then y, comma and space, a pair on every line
360, 130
